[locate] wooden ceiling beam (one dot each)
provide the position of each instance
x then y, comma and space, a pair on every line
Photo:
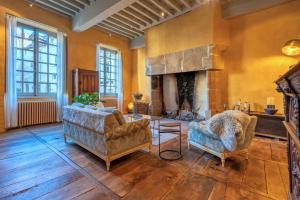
65, 5
147, 12
105, 25
124, 20
185, 3
125, 30
55, 7
173, 5
164, 7
74, 3
138, 15
132, 18
110, 30
124, 25
152, 7
85, 2
98, 11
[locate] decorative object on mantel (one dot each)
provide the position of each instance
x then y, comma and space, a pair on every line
292, 47
137, 96
289, 85
270, 108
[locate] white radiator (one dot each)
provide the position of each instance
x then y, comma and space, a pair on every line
32, 112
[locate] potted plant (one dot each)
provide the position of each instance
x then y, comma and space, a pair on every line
87, 99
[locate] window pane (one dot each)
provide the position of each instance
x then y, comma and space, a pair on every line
52, 59
113, 76
52, 40
52, 69
53, 49
28, 88
18, 43
28, 45
102, 89
43, 57
107, 54
19, 54
19, 31
101, 60
28, 55
43, 78
43, 67
19, 76
43, 48
43, 37
19, 87
28, 33
28, 66
52, 78
28, 76
43, 88
102, 75
113, 69
53, 88
19, 65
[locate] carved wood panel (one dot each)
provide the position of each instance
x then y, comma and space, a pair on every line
85, 81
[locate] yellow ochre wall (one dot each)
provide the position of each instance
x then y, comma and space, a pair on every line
253, 59
81, 47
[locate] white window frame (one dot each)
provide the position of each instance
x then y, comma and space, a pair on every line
36, 26
102, 70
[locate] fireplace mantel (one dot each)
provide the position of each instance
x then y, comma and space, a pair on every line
207, 57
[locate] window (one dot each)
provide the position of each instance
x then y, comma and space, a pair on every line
36, 63
108, 71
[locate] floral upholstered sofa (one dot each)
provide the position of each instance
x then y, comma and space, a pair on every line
104, 132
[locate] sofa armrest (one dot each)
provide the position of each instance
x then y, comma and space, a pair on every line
128, 128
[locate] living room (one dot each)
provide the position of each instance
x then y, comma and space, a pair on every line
149, 99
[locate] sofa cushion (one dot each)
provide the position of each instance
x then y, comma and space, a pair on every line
203, 139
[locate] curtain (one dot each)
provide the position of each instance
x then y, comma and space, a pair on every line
10, 99
119, 81
62, 96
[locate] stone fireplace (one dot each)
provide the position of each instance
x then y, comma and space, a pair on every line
186, 85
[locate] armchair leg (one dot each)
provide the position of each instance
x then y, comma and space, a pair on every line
247, 154
223, 160
65, 138
107, 164
189, 147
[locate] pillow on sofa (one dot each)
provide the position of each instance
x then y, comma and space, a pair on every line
119, 116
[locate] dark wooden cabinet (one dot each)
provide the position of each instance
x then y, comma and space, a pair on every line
270, 125
289, 85
85, 81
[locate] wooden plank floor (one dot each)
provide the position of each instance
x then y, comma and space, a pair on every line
35, 163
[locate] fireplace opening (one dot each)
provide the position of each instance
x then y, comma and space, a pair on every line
185, 87
181, 96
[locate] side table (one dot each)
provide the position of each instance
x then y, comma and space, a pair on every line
174, 127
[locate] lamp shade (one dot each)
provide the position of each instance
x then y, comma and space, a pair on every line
291, 47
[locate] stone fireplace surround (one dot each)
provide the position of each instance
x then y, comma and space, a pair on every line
187, 84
